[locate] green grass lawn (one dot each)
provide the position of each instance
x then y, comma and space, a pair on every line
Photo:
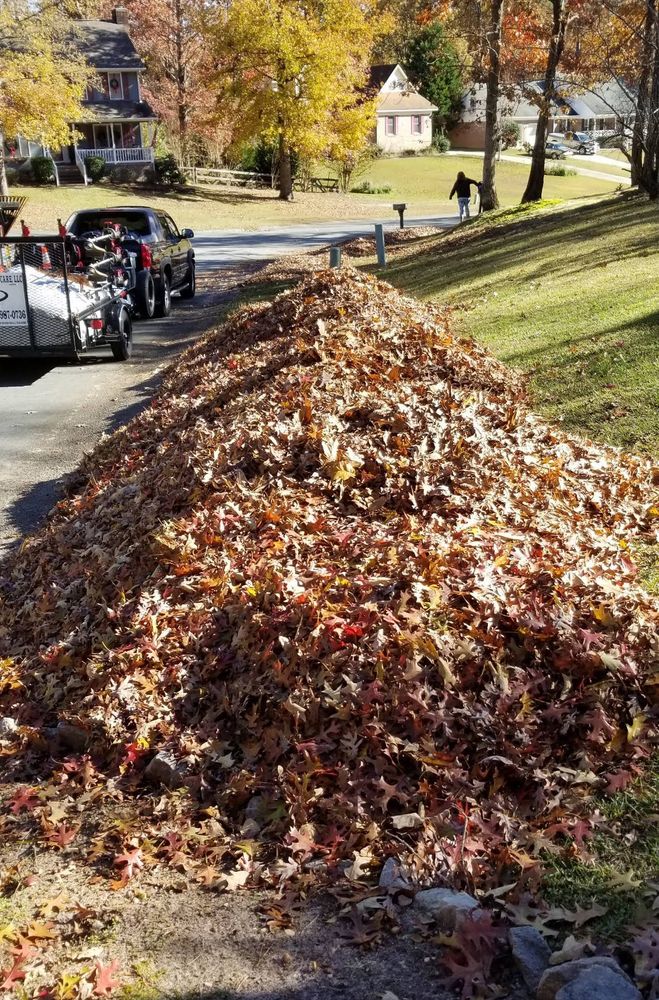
423, 182
615, 154
570, 295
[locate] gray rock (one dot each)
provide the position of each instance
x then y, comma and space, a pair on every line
164, 770
391, 876
446, 906
558, 976
73, 737
8, 727
599, 982
531, 953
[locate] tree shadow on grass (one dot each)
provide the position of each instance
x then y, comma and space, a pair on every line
549, 246
194, 195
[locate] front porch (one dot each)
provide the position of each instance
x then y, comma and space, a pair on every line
115, 142
133, 154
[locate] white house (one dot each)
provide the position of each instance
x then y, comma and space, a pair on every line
404, 117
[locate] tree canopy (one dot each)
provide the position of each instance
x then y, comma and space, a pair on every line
434, 68
42, 75
292, 72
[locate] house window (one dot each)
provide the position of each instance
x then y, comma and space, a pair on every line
130, 138
390, 125
131, 88
115, 86
417, 125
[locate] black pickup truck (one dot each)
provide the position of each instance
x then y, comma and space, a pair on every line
165, 258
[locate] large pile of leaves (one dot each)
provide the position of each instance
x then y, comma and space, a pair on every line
364, 598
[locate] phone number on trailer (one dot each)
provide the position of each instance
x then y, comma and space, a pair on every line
13, 315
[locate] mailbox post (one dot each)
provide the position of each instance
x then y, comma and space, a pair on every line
400, 208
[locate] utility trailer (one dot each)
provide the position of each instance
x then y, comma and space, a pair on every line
61, 297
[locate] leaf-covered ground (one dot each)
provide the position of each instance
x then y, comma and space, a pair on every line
366, 600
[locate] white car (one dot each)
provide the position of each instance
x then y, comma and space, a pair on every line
579, 142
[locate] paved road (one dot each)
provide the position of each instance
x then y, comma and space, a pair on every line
219, 248
51, 413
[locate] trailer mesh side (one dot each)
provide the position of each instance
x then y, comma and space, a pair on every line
35, 296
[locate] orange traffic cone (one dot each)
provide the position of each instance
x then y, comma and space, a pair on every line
45, 258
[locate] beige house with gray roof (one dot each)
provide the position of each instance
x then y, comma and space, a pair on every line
404, 117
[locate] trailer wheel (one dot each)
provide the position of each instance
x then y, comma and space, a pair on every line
145, 293
123, 348
164, 297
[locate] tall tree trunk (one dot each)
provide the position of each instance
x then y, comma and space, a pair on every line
285, 170
489, 198
649, 179
181, 87
536, 181
4, 184
643, 99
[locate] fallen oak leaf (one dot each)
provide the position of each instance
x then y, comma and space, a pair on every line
582, 915
571, 950
132, 861
40, 931
230, 881
104, 978
68, 987
55, 905
24, 799
62, 836
10, 978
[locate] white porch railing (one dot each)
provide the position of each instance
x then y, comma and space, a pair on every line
134, 154
80, 164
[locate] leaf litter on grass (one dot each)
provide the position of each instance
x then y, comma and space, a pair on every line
355, 595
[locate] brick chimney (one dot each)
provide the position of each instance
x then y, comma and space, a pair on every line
120, 15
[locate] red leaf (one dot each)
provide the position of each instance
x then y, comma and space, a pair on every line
132, 860
105, 981
62, 836
12, 977
23, 799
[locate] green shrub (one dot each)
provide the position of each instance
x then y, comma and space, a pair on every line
409, 152
168, 171
95, 167
365, 187
559, 170
11, 174
510, 133
441, 142
43, 169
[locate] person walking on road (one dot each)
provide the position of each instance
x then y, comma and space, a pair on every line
462, 188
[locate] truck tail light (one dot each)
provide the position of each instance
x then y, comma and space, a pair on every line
96, 324
146, 259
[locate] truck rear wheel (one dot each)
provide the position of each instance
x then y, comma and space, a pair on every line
164, 296
123, 348
145, 293
190, 286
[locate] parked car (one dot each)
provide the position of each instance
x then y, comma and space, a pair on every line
579, 142
557, 151
165, 259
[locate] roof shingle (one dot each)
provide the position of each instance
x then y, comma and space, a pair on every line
107, 45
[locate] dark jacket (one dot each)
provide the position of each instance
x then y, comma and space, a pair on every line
462, 187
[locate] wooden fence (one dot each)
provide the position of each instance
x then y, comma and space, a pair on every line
216, 177
219, 177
